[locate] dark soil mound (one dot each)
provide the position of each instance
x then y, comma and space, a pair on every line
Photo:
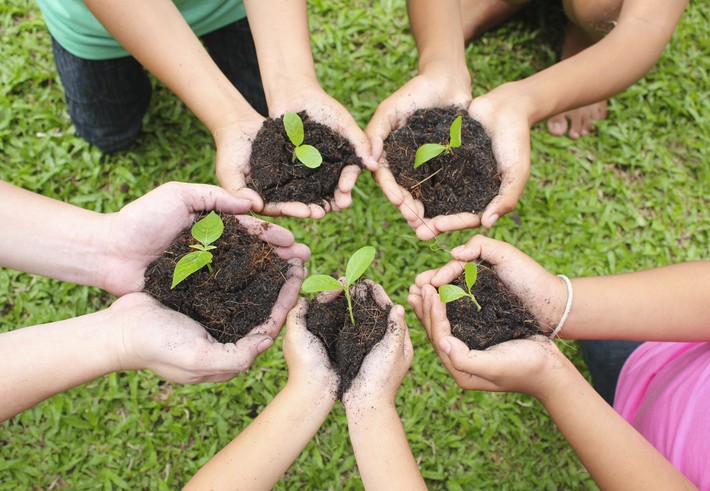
236, 297
347, 345
502, 317
278, 179
464, 180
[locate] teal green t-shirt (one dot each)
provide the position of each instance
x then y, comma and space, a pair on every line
74, 26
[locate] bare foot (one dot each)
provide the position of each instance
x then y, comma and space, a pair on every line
580, 121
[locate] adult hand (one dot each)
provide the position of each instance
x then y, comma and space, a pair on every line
387, 363
143, 229
421, 92
544, 294
324, 109
176, 347
309, 367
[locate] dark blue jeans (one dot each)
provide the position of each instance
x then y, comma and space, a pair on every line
107, 99
605, 360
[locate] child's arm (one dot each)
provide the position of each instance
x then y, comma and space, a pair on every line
376, 432
614, 453
282, 39
662, 304
156, 34
609, 66
134, 333
260, 454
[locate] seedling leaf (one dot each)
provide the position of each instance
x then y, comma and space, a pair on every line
471, 274
188, 264
294, 128
320, 283
309, 156
449, 293
358, 263
455, 133
208, 229
427, 152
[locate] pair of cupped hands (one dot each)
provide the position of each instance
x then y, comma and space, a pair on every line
498, 111
179, 349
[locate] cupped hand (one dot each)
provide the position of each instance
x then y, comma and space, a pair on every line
296, 254
544, 294
506, 123
309, 367
528, 366
385, 366
324, 109
177, 348
143, 229
422, 92
233, 141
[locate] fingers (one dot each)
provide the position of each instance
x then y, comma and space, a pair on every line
348, 178
383, 122
294, 209
268, 232
288, 296
511, 188
296, 319
480, 246
221, 362
447, 223
379, 294
205, 197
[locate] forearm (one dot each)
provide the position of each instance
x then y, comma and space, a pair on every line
437, 30
51, 238
156, 34
606, 68
41, 361
614, 453
663, 304
381, 448
260, 454
283, 46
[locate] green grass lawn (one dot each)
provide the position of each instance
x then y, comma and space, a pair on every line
633, 196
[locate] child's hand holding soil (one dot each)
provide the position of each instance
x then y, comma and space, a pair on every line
518, 297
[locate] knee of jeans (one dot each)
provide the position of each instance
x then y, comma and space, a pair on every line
108, 140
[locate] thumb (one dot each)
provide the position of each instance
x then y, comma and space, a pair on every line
240, 357
457, 352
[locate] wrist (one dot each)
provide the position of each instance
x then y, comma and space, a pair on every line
288, 91
504, 100
559, 379
363, 409
319, 396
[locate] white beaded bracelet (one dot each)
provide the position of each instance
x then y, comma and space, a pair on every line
568, 307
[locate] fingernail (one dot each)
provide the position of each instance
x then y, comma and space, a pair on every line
264, 345
400, 310
493, 220
445, 346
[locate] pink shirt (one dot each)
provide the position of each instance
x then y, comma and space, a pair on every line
664, 392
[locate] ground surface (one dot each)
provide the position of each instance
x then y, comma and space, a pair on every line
633, 196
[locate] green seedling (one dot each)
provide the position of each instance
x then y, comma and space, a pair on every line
205, 231
429, 151
307, 154
449, 293
357, 264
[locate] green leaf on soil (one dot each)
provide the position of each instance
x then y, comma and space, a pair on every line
358, 263
294, 128
189, 264
309, 156
208, 229
455, 132
427, 152
320, 283
471, 274
449, 293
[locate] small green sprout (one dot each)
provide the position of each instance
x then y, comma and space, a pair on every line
449, 293
205, 231
357, 264
307, 154
429, 151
